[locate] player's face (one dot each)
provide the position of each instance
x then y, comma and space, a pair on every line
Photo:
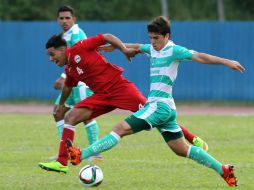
57, 56
158, 41
66, 20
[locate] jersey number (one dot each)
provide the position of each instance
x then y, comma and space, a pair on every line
80, 71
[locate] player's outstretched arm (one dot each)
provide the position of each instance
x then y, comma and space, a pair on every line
117, 43
110, 48
210, 59
106, 48
134, 46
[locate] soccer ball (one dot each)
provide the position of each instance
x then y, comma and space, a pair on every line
90, 175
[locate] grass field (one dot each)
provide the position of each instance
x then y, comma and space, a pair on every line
139, 162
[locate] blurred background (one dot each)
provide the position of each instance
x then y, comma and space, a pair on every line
220, 27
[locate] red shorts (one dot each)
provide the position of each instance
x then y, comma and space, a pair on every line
124, 95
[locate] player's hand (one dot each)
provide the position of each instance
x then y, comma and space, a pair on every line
130, 52
236, 66
59, 83
60, 109
106, 48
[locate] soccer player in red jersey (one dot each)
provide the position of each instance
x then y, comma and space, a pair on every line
111, 90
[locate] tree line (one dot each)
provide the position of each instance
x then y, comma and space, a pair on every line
108, 10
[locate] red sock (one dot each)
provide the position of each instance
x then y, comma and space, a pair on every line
187, 134
63, 153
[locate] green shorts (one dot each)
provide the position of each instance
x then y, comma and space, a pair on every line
78, 93
156, 115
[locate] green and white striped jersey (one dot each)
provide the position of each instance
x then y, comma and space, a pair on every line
74, 35
163, 70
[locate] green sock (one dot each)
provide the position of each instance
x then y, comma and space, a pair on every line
101, 145
199, 155
60, 126
92, 132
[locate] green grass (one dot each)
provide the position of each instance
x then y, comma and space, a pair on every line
139, 162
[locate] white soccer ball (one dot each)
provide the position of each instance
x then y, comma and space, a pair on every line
90, 175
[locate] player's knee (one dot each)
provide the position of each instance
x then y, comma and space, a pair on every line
181, 153
179, 149
57, 116
54, 115
70, 118
122, 129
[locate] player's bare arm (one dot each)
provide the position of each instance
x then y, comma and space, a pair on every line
110, 48
106, 48
66, 91
134, 46
210, 59
117, 43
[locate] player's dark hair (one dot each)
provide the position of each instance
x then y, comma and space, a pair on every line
56, 41
66, 8
159, 25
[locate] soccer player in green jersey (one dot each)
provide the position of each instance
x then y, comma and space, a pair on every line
159, 110
73, 34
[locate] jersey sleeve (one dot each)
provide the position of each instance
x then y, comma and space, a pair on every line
76, 37
69, 81
145, 48
182, 53
93, 42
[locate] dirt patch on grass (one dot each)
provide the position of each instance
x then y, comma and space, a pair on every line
181, 109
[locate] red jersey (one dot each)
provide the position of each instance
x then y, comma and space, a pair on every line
86, 64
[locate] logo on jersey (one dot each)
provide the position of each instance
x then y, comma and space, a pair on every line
77, 58
153, 60
140, 106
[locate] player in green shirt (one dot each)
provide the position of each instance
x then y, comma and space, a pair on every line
160, 111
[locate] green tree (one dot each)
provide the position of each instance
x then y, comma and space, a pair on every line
104, 10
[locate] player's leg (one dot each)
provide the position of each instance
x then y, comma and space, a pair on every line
131, 125
59, 118
177, 143
73, 117
87, 109
181, 148
173, 136
103, 144
92, 132
137, 100
124, 96
194, 139
82, 92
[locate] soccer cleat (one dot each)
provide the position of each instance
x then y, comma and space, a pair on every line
200, 143
74, 153
228, 175
54, 166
